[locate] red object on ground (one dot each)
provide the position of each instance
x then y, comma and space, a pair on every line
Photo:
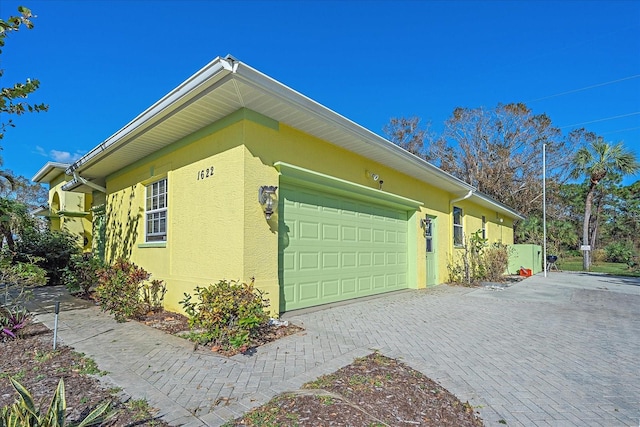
526, 272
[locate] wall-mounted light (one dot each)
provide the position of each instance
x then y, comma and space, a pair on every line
266, 196
374, 176
424, 222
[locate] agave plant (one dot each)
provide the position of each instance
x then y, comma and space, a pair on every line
23, 413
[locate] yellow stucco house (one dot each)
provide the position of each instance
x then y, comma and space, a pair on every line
66, 210
233, 175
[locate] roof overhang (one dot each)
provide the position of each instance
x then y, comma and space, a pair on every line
41, 211
226, 85
49, 171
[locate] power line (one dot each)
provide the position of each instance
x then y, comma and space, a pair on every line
585, 88
601, 120
620, 130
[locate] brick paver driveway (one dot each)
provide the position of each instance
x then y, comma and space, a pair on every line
557, 351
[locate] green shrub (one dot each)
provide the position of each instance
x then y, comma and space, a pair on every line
227, 314
53, 249
124, 290
477, 261
23, 413
82, 273
17, 277
620, 251
599, 255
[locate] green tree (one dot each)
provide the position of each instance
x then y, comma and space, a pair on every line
12, 99
21, 189
596, 160
497, 150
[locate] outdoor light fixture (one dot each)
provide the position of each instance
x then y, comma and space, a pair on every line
424, 222
373, 176
266, 195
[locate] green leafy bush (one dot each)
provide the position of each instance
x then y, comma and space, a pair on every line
227, 313
82, 273
124, 290
477, 261
17, 277
53, 249
620, 251
23, 413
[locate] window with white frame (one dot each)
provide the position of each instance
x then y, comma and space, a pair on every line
458, 232
156, 211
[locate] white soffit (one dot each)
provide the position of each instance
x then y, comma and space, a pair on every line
194, 105
49, 171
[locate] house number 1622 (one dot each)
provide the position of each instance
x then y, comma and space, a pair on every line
205, 173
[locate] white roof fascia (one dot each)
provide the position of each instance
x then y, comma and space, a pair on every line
252, 76
47, 169
499, 206
193, 86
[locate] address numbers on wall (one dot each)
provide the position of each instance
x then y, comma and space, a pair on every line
205, 173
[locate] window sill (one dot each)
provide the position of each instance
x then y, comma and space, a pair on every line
153, 245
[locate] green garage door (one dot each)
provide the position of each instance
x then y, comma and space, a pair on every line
332, 248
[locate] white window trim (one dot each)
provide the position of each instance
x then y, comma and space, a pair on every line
460, 226
153, 237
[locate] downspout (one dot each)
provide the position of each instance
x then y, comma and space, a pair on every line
88, 183
466, 196
451, 202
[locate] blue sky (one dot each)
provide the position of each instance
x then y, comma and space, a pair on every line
101, 63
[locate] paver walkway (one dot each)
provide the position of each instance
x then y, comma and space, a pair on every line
557, 351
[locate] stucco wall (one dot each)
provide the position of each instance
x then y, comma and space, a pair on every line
71, 212
216, 227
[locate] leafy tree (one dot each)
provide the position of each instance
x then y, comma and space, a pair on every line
12, 98
14, 219
596, 161
499, 151
407, 133
21, 189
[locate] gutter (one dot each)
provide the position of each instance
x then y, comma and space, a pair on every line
262, 81
167, 105
89, 183
469, 194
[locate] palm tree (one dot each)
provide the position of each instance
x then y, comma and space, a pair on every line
596, 160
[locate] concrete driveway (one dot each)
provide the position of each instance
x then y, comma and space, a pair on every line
557, 351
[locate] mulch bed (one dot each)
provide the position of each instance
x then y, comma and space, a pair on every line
372, 391
32, 361
177, 324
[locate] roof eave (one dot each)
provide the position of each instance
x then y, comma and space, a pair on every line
186, 91
255, 77
43, 175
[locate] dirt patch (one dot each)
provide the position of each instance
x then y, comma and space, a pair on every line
32, 361
372, 391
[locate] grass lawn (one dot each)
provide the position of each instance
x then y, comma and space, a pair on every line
613, 268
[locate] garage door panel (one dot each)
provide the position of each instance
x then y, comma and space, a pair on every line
348, 259
334, 248
364, 259
330, 232
330, 260
348, 286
